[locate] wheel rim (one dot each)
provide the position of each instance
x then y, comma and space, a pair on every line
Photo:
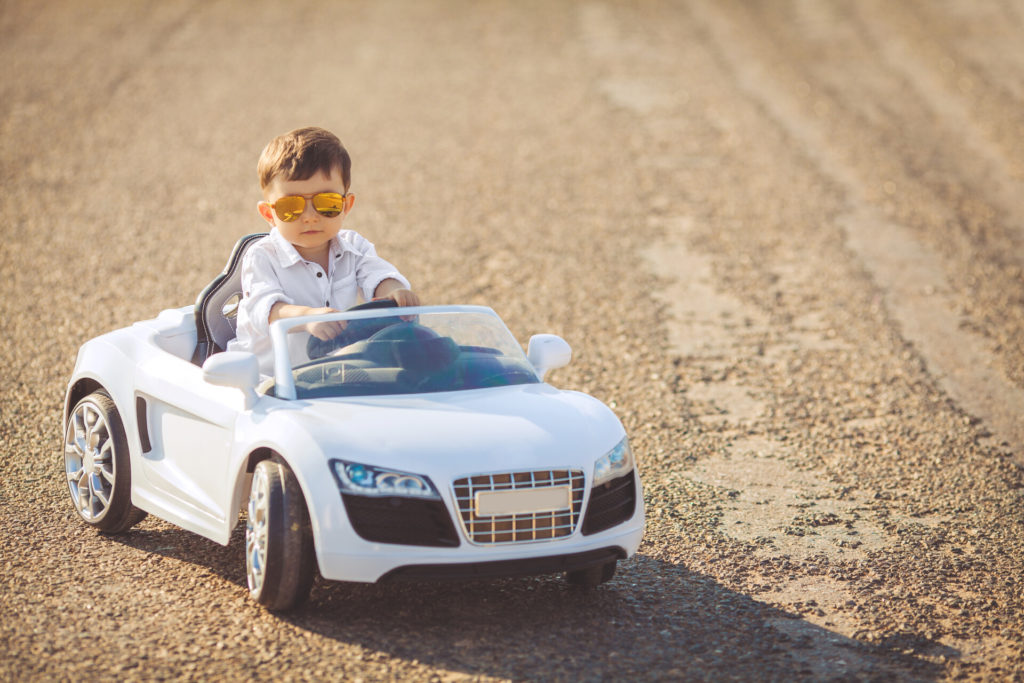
256, 531
89, 461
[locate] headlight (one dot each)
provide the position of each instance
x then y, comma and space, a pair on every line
615, 463
366, 480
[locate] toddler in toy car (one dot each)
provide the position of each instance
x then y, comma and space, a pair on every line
308, 264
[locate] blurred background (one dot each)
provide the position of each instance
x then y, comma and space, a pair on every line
784, 239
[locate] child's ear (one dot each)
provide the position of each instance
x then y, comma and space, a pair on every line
350, 200
267, 212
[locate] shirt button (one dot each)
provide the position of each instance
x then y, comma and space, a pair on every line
319, 274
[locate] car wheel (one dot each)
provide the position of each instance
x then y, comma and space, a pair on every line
592, 576
279, 555
98, 467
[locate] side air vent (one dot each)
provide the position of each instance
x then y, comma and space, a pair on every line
142, 419
610, 504
405, 521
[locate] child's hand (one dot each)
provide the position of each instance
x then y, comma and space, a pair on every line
325, 329
404, 297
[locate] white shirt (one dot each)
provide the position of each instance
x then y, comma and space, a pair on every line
272, 271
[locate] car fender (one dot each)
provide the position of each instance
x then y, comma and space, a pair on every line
107, 363
261, 434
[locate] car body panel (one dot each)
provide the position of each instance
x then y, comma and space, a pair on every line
192, 446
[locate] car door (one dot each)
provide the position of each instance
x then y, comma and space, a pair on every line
189, 425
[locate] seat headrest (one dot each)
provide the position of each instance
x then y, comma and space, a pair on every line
216, 305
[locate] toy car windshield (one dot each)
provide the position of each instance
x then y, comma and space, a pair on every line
398, 351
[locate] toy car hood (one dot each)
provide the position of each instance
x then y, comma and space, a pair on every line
517, 427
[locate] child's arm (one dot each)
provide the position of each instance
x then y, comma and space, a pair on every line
321, 330
387, 289
374, 272
391, 288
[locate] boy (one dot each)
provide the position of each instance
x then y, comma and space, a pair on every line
308, 265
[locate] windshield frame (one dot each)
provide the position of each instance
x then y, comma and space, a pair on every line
284, 381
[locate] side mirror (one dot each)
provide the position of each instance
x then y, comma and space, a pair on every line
236, 369
547, 352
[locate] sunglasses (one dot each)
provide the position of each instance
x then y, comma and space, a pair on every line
329, 204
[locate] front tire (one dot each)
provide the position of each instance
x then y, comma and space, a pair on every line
97, 465
279, 554
592, 576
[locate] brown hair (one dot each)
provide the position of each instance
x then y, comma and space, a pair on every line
298, 155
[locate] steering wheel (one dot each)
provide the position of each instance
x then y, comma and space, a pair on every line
355, 330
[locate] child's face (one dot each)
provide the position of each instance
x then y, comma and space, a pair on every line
311, 231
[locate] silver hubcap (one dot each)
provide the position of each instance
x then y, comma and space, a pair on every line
89, 461
256, 531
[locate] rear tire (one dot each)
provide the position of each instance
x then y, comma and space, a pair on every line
279, 554
97, 465
592, 576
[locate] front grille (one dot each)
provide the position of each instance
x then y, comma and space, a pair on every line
611, 503
519, 527
406, 521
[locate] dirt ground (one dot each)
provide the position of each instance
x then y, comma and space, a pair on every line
785, 240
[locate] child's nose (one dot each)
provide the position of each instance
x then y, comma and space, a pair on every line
308, 211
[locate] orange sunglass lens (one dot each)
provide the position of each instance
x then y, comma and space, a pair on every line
289, 208
329, 204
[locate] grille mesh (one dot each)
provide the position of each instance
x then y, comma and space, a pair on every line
518, 528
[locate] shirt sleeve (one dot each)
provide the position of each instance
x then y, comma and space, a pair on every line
371, 269
261, 289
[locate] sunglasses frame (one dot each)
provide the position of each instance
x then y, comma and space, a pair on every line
310, 199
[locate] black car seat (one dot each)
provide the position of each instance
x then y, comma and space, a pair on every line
217, 305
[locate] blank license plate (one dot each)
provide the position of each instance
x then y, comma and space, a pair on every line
522, 501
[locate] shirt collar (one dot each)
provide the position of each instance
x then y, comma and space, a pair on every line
287, 255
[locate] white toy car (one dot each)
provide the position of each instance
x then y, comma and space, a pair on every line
426, 445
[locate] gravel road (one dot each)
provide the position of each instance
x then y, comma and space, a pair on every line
785, 240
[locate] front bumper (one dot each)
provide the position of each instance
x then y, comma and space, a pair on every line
373, 562
386, 539
530, 566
